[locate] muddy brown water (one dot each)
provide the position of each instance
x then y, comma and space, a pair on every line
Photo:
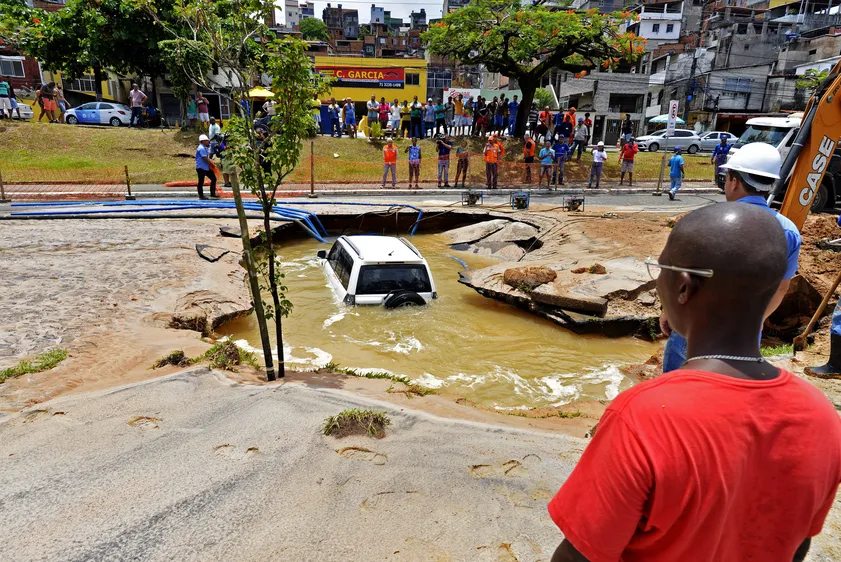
463, 343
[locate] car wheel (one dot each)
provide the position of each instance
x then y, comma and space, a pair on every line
71, 120
693, 148
819, 203
653, 147
396, 299
115, 122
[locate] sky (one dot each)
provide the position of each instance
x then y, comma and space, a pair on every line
399, 8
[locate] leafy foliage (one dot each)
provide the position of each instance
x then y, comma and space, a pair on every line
524, 41
184, 58
542, 97
811, 80
43, 362
313, 29
354, 421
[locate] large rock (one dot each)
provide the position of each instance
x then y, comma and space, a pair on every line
528, 277
514, 232
476, 232
204, 311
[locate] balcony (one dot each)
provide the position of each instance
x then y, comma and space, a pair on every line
657, 79
667, 13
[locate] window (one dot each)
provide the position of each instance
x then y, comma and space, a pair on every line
86, 107
747, 47
813, 52
683, 134
85, 83
655, 28
670, 27
106, 106
382, 40
341, 263
10, 67
380, 279
412, 79
740, 85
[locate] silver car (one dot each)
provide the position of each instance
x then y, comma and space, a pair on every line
684, 138
710, 140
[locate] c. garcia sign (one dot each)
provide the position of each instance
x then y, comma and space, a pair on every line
349, 77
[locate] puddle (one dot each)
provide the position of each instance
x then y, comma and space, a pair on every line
465, 344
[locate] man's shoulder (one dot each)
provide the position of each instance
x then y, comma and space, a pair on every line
787, 224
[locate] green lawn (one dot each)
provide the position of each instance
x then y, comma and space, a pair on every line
40, 152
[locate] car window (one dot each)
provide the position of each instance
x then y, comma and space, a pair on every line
381, 279
106, 106
341, 262
87, 107
683, 134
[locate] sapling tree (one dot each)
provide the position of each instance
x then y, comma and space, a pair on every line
235, 39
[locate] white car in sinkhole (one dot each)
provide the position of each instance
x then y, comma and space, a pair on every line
378, 270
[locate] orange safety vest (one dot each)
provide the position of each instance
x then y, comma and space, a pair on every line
492, 153
390, 154
528, 150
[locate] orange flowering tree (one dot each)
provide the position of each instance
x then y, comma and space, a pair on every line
525, 41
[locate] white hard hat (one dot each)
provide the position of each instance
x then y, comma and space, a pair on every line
203, 138
601, 143
754, 162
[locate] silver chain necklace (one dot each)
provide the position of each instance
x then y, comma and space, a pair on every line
727, 358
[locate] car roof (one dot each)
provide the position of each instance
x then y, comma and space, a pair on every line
382, 249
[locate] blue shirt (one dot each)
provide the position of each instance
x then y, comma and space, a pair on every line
793, 238
430, 113
722, 149
440, 110
414, 152
349, 111
201, 154
547, 155
561, 151
675, 162
512, 108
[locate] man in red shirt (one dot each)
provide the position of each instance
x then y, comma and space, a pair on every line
626, 161
729, 459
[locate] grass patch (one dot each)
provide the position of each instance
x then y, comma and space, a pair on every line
542, 415
368, 375
223, 355
43, 362
786, 349
355, 421
412, 390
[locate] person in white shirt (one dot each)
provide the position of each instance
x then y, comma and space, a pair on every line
599, 158
394, 116
136, 98
373, 112
268, 107
214, 131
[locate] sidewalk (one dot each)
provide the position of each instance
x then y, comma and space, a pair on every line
151, 191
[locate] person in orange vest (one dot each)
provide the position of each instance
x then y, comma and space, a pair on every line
528, 155
390, 162
493, 154
569, 117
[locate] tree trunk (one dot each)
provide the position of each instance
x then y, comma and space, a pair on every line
97, 80
267, 210
528, 88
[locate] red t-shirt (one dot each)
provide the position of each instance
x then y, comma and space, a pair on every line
696, 467
629, 150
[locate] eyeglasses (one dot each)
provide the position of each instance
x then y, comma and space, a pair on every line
650, 263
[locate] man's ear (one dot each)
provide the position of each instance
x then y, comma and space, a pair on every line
687, 289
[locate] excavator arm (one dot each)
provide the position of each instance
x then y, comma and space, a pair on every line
812, 150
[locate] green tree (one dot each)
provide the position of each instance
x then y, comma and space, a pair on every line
314, 30
233, 37
811, 80
525, 41
543, 97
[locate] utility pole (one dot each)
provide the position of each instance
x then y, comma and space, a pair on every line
691, 89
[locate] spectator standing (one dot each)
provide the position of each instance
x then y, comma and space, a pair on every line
414, 161
463, 156
428, 118
333, 111
350, 118
467, 122
627, 128
547, 161
544, 128
599, 158
729, 458
214, 133
493, 153
269, 107
14, 101
47, 96
63, 106
5, 98
503, 107
405, 120
390, 162
458, 112
225, 161
589, 124
580, 138
482, 119
676, 173
493, 111
416, 118
449, 115
203, 168
513, 105
444, 146
136, 99
528, 155
394, 117
533, 116
373, 112
562, 153
440, 117
204, 112
571, 119
383, 111
193, 111
315, 104
626, 161
719, 156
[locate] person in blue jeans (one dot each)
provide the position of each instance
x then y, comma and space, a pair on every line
512, 114
750, 174
833, 366
675, 173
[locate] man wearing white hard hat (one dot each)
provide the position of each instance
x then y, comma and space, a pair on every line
750, 174
203, 168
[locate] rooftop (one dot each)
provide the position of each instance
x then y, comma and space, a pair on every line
383, 249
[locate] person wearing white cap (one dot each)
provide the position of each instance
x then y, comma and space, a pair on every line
599, 158
203, 167
428, 118
750, 174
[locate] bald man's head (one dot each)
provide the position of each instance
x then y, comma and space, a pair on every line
746, 249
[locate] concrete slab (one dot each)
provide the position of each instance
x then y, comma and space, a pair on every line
513, 232
475, 232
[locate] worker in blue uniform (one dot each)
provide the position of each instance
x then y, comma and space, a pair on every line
750, 174
833, 366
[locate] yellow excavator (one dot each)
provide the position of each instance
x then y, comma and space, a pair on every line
804, 168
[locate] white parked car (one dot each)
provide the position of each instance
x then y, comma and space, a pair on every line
99, 113
710, 140
25, 112
688, 140
378, 270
